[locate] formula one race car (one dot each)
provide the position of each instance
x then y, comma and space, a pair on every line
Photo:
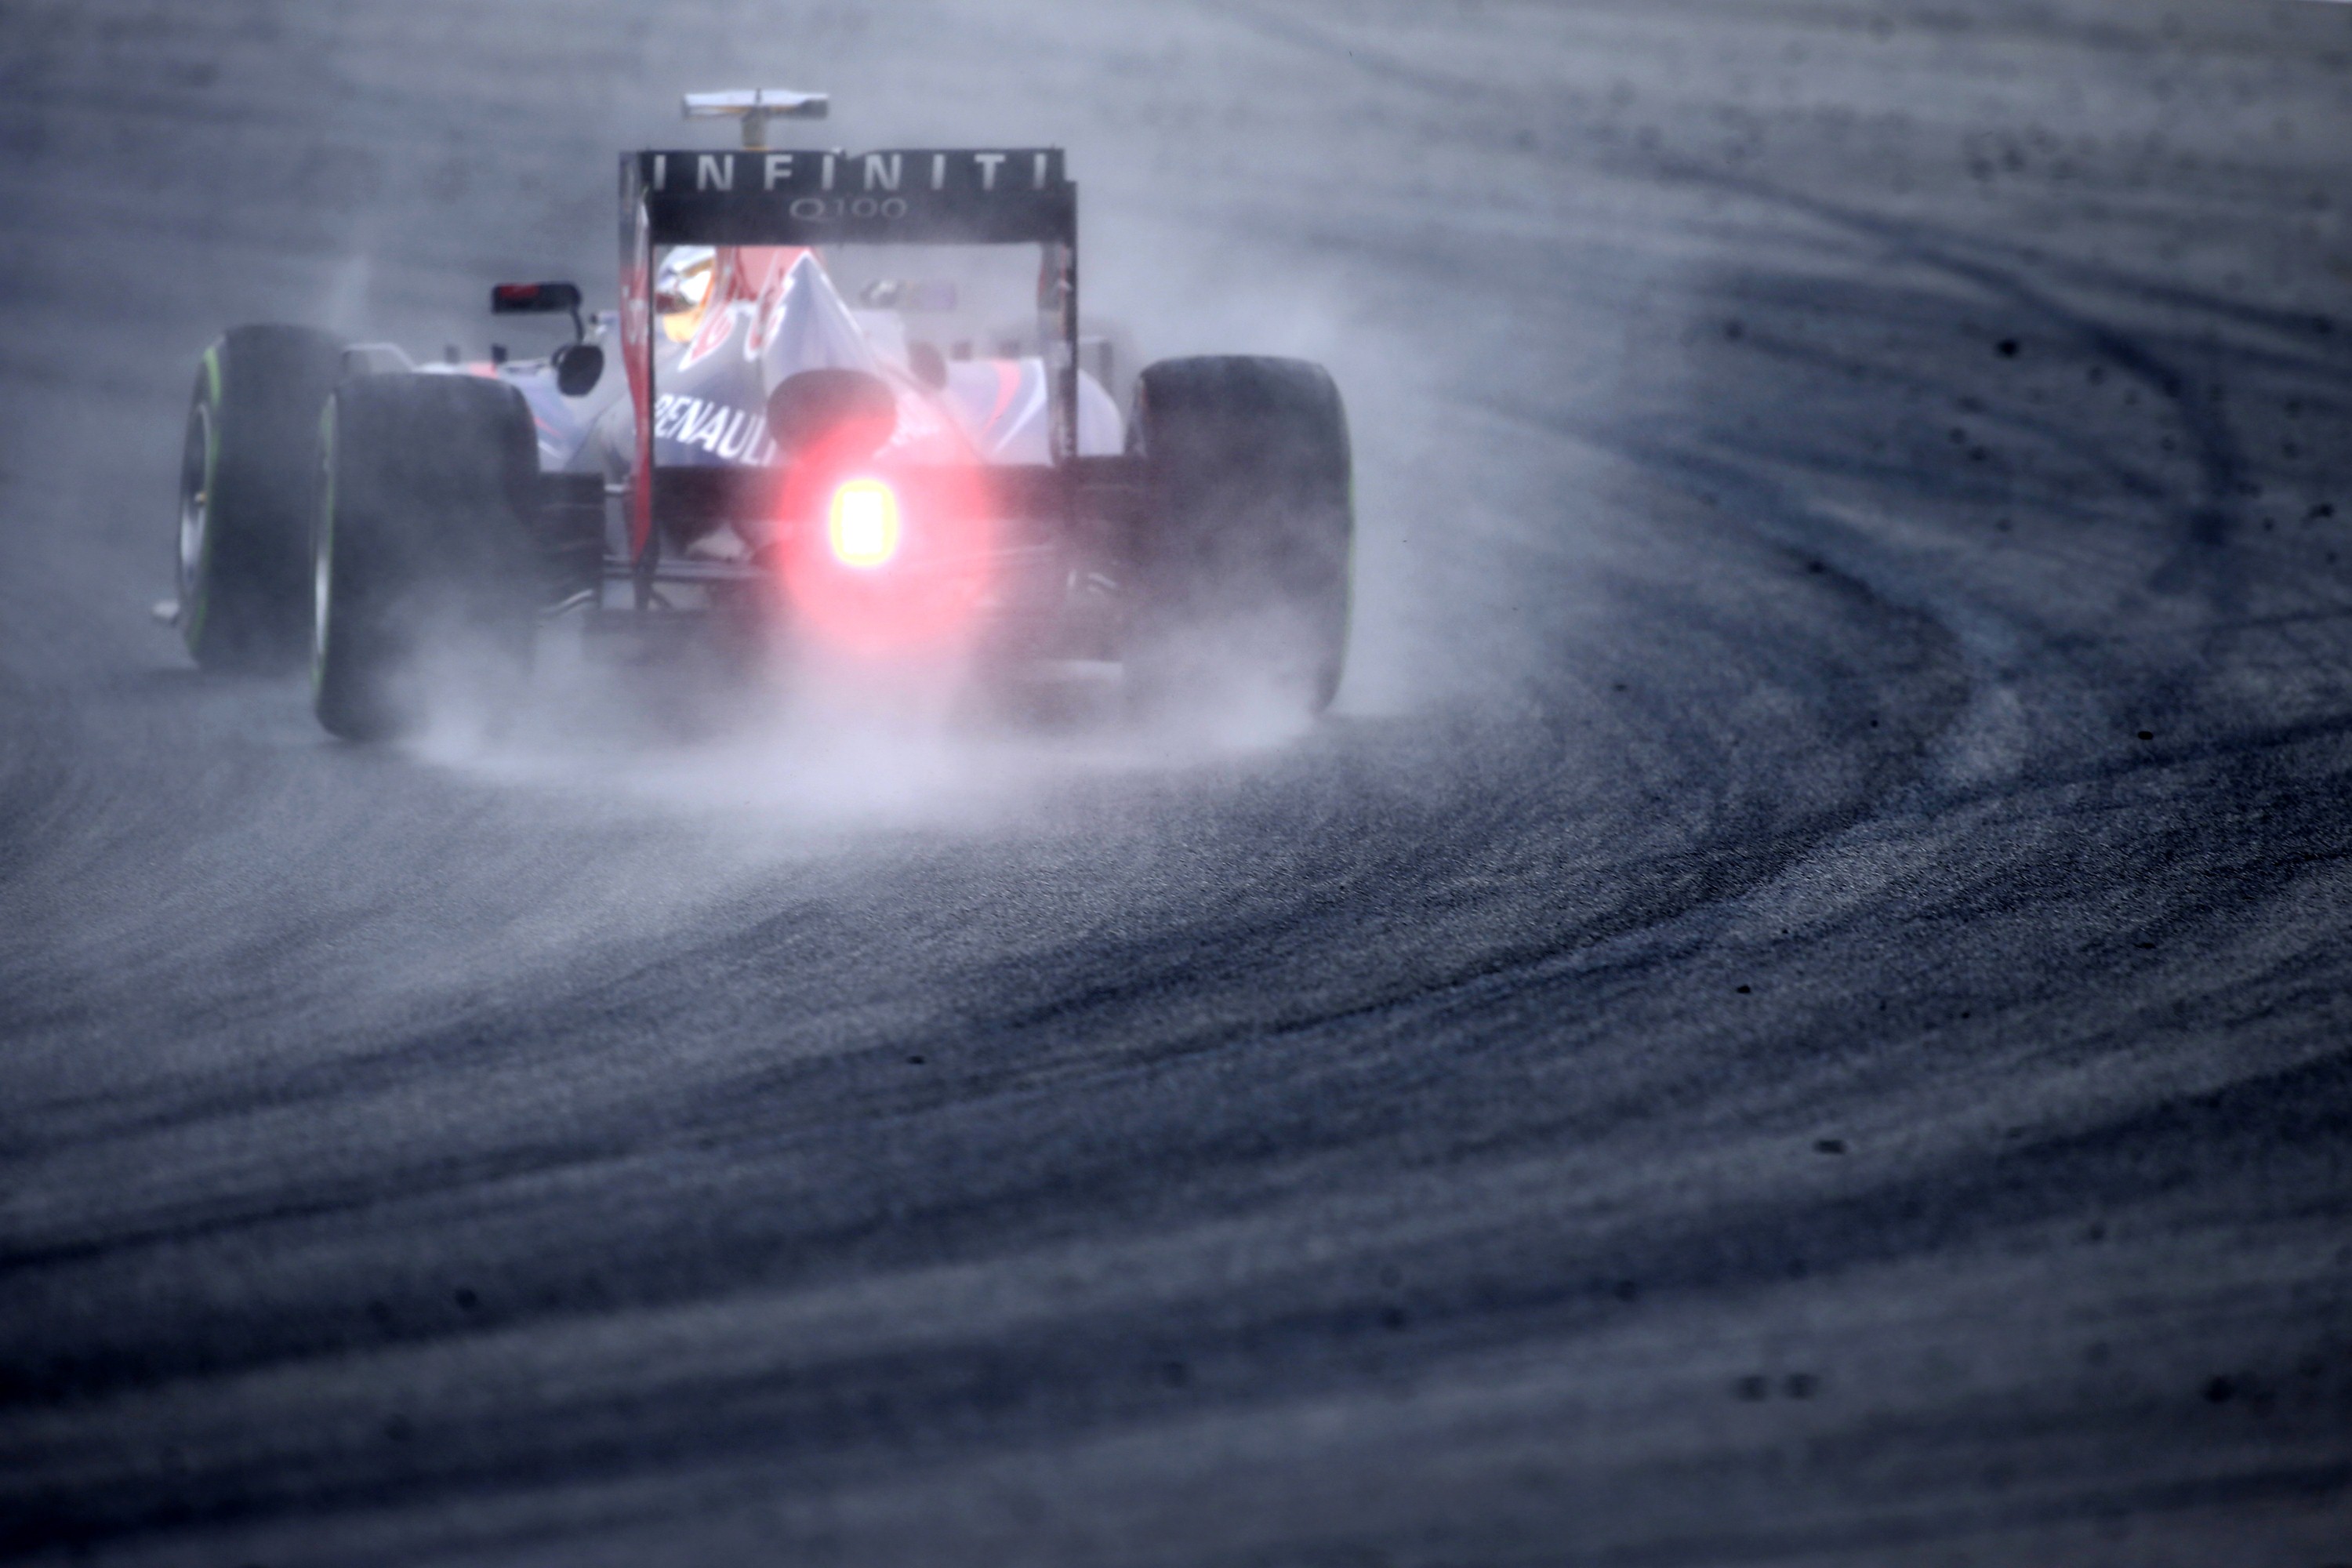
827, 429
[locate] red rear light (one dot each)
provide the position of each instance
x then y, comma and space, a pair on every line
861, 525
885, 566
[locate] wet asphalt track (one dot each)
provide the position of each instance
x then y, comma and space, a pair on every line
1798, 1015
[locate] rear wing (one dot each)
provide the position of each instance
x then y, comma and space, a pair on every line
898, 197
815, 197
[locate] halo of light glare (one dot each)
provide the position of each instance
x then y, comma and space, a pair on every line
861, 523
925, 598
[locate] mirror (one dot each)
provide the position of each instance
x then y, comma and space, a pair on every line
909, 294
533, 298
848, 413
578, 368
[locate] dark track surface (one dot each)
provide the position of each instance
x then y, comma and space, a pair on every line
1734, 1046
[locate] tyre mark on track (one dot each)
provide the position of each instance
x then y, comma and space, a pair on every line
1105, 1370
1020, 1077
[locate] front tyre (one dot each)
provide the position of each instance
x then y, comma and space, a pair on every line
426, 586
245, 492
1242, 568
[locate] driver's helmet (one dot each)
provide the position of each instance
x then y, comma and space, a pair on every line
682, 289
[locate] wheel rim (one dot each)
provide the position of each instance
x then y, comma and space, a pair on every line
195, 505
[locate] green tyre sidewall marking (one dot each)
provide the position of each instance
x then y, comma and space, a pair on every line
194, 621
1347, 592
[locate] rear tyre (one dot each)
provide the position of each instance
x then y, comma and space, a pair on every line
1242, 568
245, 495
426, 585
